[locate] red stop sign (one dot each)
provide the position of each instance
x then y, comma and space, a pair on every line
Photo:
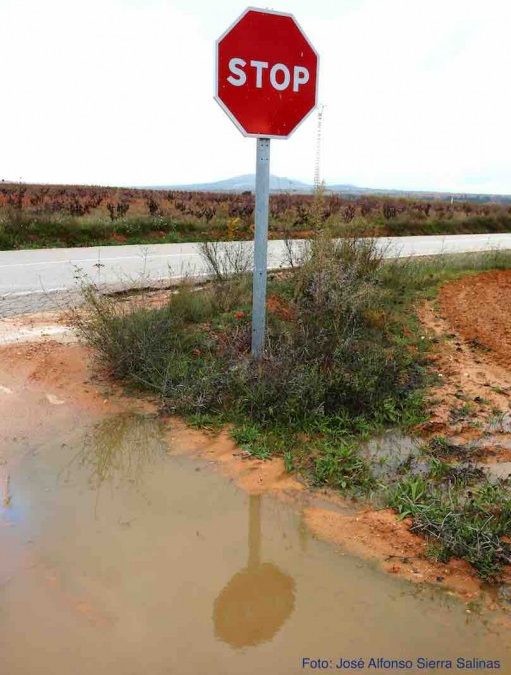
266, 74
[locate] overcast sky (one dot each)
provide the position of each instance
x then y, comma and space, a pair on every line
120, 92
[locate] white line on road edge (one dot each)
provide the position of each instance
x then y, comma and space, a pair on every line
17, 294
102, 260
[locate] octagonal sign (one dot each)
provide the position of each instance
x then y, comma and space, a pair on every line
266, 74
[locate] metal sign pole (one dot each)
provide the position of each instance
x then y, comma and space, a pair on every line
262, 196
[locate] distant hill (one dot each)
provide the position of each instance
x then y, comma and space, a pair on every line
279, 184
240, 184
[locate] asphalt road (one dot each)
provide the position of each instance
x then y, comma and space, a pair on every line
31, 273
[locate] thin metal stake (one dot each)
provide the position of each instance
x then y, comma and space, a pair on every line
262, 196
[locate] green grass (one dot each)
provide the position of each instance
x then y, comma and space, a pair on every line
346, 359
54, 230
470, 225
66, 231
340, 465
250, 438
465, 516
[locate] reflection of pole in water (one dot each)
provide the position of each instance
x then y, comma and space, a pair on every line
303, 533
257, 601
254, 531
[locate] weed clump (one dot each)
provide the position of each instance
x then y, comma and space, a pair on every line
472, 522
341, 466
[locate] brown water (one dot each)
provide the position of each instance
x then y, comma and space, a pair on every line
118, 558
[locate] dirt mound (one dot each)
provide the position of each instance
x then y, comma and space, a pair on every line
479, 309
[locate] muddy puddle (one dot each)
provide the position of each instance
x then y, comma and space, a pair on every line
119, 557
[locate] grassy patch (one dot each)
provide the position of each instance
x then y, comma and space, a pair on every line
464, 516
252, 440
340, 465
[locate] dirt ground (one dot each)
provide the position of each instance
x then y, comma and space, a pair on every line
471, 328
479, 309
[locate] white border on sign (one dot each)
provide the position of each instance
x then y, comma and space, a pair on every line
222, 104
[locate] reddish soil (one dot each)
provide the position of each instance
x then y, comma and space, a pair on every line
466, 378
479, 309
471, 326
381, 536
121, 238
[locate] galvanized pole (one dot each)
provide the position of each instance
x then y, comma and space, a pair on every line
262, 196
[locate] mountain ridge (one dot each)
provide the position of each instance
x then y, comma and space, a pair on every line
246, 183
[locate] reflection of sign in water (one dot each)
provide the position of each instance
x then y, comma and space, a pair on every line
257, 601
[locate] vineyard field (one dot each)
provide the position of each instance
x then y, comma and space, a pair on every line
34, 216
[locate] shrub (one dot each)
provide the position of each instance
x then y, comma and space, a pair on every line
339, 352
225, 260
